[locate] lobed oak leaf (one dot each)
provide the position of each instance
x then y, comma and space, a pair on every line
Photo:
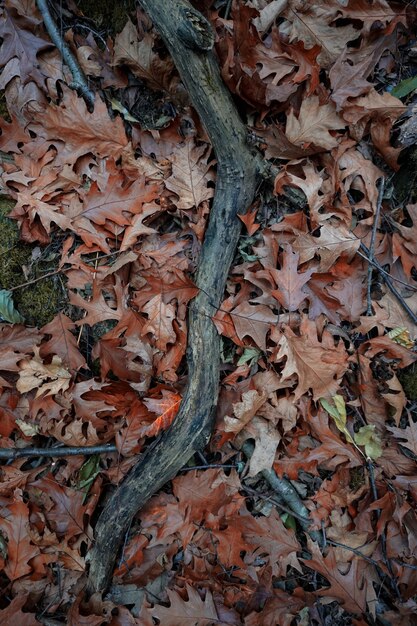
409, 434
98, 308
23, 44
34, 207
290, 293
319, 365
80, 131
267, 438
62, 342
166, 409
171, 283
329, 246
14, 524
116, 200
13, 613
191, 612
253, 321
312, 24
313, 124
354, 588
16, 341
268, 535
249, 220
63, 507
49, 379
244, 411
137, 227
190, 175
160, 322
141, 58
280, 608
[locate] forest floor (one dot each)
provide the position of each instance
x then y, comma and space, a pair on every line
102, 219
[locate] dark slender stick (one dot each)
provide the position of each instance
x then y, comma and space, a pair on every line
372, 244
79, 81
354, 550
391, 287
18, 453
385, 273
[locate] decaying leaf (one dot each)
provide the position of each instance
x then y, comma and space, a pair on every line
48, 379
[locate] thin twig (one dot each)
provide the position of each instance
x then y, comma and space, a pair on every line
36, 280
405, 564
18, 453
387, 280
372, 244
379, 267
206, 467
354, 550
79, 81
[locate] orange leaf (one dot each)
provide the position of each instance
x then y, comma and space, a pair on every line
249, 221
166, 408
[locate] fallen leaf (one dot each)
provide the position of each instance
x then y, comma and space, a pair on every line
188, 612
319, 365
48, 379
14, 523
313, 124
190, 175
290, 282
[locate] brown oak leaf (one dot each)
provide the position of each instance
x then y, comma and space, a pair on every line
319, 365
49, 379
14, 524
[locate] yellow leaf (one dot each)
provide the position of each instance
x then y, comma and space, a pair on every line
401, 336
338, 413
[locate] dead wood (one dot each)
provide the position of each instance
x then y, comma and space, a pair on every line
189, 39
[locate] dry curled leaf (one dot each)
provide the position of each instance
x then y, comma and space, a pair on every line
49, 379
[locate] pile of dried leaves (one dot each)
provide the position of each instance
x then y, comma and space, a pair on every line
314, 342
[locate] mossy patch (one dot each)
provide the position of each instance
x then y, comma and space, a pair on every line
408, 380
40, 301
110, 17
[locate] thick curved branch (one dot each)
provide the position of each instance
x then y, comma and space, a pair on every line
189, 38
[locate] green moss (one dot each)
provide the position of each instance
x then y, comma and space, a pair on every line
408, 380
405, 179
40, 301
357, 478
4, 112
109, 17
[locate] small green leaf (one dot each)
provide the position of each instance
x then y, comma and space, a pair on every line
405, 87
88, 473
366, 436
7, 310
250, 355
338, 413
288, 521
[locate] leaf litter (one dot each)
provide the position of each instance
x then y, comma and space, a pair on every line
307, 376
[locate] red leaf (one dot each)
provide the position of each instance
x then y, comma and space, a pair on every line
166, 408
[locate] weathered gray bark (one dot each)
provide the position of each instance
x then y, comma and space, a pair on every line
189, 39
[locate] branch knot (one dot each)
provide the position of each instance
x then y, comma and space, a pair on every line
195, 31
